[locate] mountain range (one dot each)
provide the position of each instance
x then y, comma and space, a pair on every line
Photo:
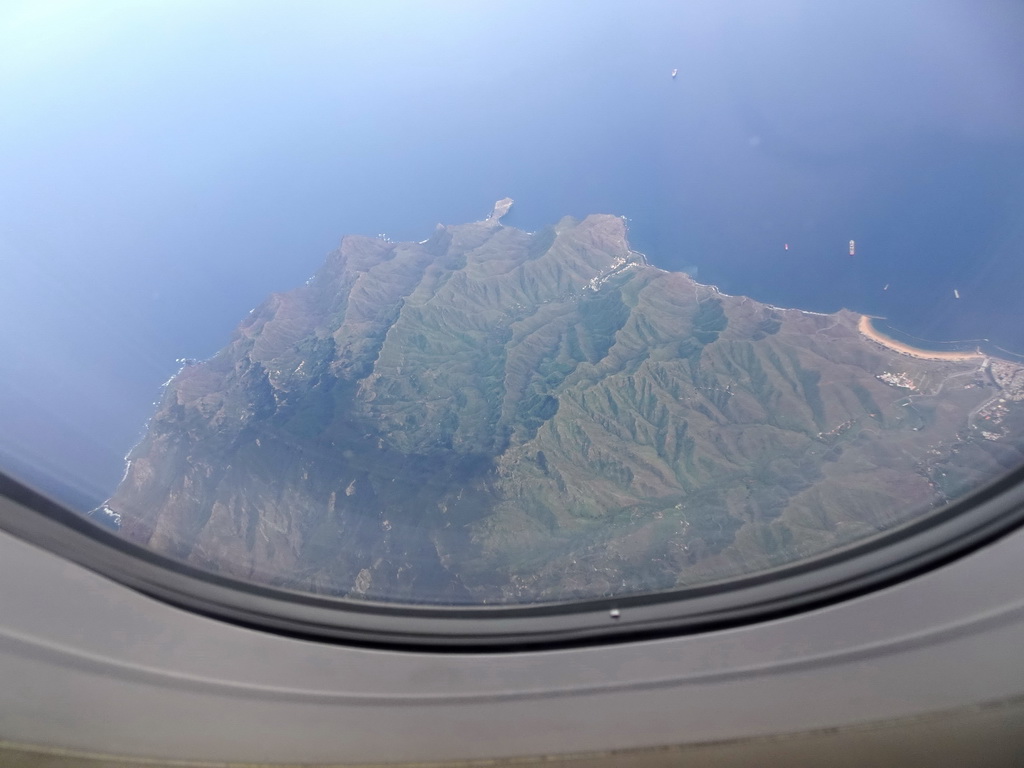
499, 416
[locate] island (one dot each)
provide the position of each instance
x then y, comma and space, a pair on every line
501, 208
493, 416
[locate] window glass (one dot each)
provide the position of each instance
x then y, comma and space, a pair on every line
757, 298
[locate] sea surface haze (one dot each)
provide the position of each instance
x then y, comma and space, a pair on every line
166, 168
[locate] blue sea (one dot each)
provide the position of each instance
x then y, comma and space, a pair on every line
166, 168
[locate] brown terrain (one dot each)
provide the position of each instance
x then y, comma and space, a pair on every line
496, 416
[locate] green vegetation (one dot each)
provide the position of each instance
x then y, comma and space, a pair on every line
497, 416
709, 321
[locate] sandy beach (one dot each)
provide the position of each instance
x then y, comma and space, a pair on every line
867, 329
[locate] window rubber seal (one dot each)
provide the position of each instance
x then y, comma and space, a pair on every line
902, 552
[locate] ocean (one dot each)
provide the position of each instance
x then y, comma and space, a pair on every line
167, 170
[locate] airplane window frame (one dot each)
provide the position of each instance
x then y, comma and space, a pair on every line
898, 554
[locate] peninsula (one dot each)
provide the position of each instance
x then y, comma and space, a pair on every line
498, 416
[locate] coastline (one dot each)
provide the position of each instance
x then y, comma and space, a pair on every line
869, 331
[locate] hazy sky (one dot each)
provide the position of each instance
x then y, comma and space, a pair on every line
165, 166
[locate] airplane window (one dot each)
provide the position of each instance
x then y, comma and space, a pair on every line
716, 289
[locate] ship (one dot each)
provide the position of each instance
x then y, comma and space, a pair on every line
956, 294
674, 73
853, 248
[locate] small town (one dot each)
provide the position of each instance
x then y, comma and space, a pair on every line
897, 380
990, 419
1009, 377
